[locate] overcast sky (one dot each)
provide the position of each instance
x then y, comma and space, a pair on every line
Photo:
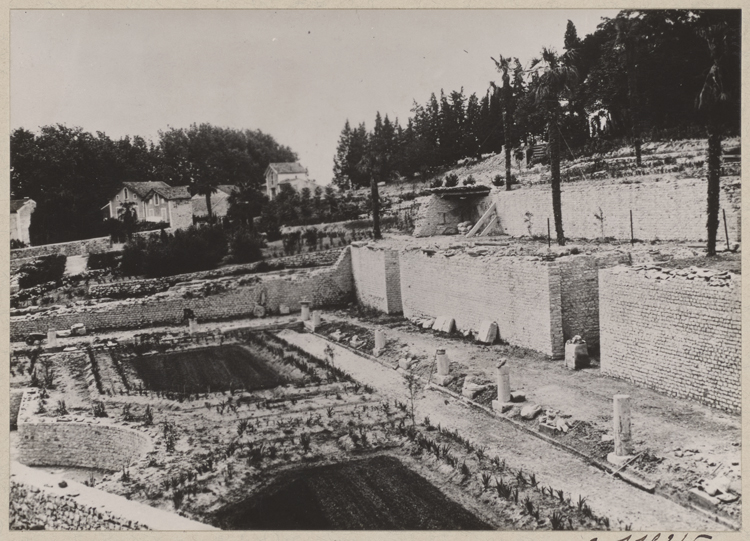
297, 75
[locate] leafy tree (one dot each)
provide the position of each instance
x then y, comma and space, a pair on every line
554, 76
628, 32
349, 153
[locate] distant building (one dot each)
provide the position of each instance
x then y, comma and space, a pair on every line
219, 202
154, 202
291, 173
20, 218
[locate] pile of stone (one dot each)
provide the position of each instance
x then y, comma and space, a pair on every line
464, 227
552, 421
715, 278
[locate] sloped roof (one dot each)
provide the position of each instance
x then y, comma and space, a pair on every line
219, 206
170, 193
227, 188
141, 189
16, 204
287, 168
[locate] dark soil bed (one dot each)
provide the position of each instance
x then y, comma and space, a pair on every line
374, 494
222, 368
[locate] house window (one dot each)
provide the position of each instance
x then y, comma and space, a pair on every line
150, 213
163, 214
126, 193
156, 199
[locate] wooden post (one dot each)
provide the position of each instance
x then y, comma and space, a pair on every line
726, 231
622, 424
632, 236
503, 382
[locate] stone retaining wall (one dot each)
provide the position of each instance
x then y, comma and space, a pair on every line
676, 332
521, 295
330, 286
667, 210
377, 279
30, 507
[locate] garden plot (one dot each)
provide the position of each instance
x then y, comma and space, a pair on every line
378, 493
202, 370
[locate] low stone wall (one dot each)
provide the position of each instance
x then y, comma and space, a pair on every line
77, 247
329, 286
30, 508
520, 294
377, 279
667, 210
678, 332
149, 286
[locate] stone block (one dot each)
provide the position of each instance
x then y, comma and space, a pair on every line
702, 499
501, 407
487, 333
517, 396
444, 324
284, 309
618, 460
576, 356
443, 380
530, 411
471, 389
405, 363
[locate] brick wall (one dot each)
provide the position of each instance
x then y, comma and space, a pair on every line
579, 294
441, 216
668, 209
521, 295
377, 281
330, 286
677, 335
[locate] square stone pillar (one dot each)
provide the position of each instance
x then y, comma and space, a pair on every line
51, 338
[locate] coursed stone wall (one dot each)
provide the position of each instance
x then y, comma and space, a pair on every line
673, 209
678, 332
329, 286
521, 295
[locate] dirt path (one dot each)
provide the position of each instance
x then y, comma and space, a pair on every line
624, 504
663, 425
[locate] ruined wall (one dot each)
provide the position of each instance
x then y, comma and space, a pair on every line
441, 216
579, 294
665, 210
377, 280
521, 295
329, 286
30, 507
676, 332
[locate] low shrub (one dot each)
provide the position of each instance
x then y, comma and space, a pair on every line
469, 181
450, 180
48, 268
245, 247
498, 181
104, 261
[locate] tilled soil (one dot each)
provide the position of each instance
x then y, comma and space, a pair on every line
373, 494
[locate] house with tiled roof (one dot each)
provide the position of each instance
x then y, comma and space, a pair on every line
219, 202
153, 202
291, 173
20, 218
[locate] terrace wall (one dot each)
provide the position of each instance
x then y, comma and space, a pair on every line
672, 209
330, 286
377, 279
521, 295
677, 335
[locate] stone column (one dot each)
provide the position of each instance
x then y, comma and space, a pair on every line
305, 310
503, 382
51, 338
442, 363
622, 424
316, 318
192, 326
379, 339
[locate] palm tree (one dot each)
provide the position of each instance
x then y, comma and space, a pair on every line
711, 100
503, 66
627, 36
553, 77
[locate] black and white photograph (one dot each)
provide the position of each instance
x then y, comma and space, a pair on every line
375, 270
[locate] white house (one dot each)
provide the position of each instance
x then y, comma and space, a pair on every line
20, 218
291, 173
